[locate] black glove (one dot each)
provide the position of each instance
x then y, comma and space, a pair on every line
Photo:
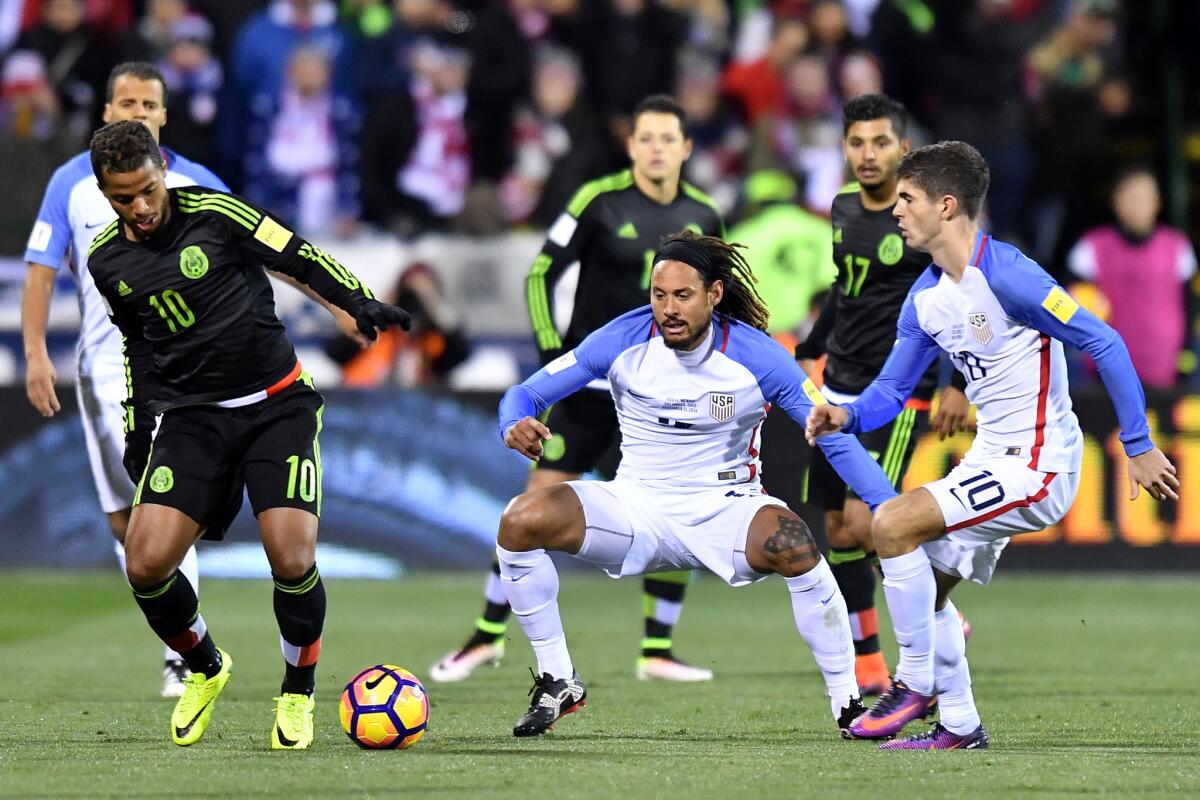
373, 316
137, 451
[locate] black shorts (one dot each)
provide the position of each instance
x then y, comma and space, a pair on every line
892, 446
585, 432
204, 458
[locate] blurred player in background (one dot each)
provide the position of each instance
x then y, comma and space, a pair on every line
856, 330
692, 376
73, 212
181, 275
1004, 322
612, 227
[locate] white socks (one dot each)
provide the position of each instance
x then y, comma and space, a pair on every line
820, 612
956, 703
493, 590
190, 567
911, 592
530, 583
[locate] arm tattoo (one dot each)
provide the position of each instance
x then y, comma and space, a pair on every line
792, 544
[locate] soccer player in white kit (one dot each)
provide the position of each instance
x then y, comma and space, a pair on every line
692, 376
1004, 321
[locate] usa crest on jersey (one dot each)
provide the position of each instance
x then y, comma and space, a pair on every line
980, 329
720, 406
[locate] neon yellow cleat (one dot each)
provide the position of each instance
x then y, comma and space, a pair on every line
190, 718
293, 722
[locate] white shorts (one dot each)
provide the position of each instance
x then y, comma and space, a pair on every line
633, 529
104, 429
984, 505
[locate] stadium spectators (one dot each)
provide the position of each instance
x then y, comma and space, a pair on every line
194, 78
758, 85
1144, 271
77, 62
258, 64
301, 157
557, 146
33, 141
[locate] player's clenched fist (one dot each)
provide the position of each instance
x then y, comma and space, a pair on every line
526, 438
823, 420
374, 315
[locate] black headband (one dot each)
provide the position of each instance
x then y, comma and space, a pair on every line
691, 253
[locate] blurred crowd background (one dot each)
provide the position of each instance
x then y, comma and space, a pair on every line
393, 121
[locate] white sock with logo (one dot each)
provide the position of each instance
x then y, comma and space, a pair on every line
530, 582
821, 618
956, 702
911, 591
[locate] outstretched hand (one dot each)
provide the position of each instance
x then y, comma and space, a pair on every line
1153, 471
526, 438
375, 316
824, 420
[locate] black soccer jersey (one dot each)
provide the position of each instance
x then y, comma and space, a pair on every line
613, 231
196, 309
857, 326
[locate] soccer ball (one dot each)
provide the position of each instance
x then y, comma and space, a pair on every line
384, 708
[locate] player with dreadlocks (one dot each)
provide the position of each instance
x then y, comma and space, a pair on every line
692, 375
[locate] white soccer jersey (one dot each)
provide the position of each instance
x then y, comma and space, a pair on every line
692, 419
73, 212
1003, 324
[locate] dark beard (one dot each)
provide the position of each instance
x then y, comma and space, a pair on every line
690, 342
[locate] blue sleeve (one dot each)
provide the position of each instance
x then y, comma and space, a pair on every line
785, 385
573, 370
912, 354
1030, 295
51, 235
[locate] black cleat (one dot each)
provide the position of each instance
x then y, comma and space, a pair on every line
552, 700
850, 713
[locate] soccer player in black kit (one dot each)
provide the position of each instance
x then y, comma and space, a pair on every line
856, 329
612, 227
181, 273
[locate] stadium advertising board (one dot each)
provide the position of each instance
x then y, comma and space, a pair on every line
421, 479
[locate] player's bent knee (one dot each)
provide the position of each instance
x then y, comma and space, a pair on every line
550, 518
145, 569
889, 530
789, 547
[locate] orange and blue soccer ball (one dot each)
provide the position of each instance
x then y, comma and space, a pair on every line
384, 708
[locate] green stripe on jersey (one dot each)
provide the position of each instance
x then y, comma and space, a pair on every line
850, 188
537, 298
702, 198
229, 201
593, 189
104, 236
188, 207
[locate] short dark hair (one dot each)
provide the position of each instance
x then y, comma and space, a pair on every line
875, 106
662, 104
142, 70
949, 168
123, 146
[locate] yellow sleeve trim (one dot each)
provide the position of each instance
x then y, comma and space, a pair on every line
1060, 304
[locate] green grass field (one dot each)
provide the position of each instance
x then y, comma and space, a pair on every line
1087, 686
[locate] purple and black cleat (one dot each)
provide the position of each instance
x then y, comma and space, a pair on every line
938, 738
894, 709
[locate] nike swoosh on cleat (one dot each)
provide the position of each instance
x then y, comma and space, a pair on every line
873, 724
186, 729
283, 740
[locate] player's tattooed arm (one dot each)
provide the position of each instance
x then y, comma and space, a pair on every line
791, 546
